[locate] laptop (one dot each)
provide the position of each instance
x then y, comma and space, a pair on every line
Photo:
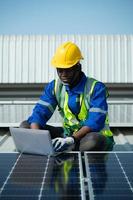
32, 141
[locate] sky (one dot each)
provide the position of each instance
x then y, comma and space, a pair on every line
66, 17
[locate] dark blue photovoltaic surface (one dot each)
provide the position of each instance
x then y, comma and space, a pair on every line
127, 164
40, 176
62, 178
35, 177
7, 161
107, 176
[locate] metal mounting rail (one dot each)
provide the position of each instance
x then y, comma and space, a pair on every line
122, 101
3, 139
27, 102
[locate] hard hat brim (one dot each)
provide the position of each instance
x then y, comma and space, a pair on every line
69, 65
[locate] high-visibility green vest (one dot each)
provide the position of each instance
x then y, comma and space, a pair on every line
72, 123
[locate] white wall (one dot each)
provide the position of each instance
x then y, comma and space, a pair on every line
26, 59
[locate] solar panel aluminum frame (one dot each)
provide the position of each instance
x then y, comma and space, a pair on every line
82, 180
88, 179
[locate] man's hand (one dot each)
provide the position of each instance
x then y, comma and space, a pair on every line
61, 144
34, 126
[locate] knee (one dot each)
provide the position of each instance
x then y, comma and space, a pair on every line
92, 142
24, 124
93, 136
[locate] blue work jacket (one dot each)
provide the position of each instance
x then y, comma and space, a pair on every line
45, 107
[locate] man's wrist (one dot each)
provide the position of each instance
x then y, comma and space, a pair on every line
74, 139
81, 133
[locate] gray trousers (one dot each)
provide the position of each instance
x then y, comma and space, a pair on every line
92, 141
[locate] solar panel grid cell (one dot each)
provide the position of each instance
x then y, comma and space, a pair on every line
107, 177
127, 163
17, 183
42, 177
62, 179
6, 162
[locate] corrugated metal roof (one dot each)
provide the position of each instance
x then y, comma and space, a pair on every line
26, 59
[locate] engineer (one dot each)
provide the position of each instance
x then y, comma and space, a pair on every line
81, 101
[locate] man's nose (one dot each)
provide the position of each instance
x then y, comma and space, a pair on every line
64, 73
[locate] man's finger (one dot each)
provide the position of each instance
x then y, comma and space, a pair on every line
54, 141
57, 145
61, 148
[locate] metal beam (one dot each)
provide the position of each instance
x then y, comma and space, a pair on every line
34, 90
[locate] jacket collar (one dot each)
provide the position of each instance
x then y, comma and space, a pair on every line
79, 88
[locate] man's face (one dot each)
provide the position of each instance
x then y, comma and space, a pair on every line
70, 75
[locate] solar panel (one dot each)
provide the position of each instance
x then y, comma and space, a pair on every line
71, 176
40, 177
109, 175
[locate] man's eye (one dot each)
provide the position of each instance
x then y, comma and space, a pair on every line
60, 71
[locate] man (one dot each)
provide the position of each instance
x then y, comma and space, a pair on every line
81, 102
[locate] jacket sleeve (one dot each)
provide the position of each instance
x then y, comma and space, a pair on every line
45, 107
98, 108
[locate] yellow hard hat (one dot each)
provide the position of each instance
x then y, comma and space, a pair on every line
66, 55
